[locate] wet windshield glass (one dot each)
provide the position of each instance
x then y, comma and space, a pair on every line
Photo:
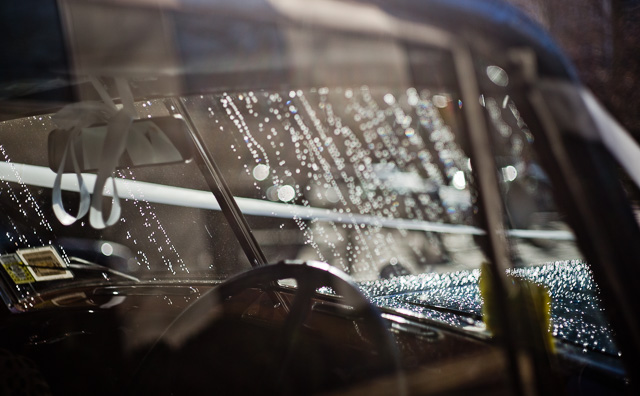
372, 180
161, 234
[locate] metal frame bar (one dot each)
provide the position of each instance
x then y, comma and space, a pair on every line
521, 363
222, 193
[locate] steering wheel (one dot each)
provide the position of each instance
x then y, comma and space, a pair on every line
309, 276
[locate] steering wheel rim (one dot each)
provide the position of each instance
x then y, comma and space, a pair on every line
309, 276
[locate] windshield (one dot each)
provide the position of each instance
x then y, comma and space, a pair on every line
419, 162
340, 156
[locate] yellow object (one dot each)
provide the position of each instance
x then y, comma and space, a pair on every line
16, 269
530, 299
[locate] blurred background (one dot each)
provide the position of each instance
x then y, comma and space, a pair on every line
602, 38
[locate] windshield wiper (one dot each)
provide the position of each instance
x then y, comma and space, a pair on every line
82, 264
443, 309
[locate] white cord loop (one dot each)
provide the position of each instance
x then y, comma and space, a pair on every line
81, 115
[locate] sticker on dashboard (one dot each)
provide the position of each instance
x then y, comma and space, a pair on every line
16, 269
44, 263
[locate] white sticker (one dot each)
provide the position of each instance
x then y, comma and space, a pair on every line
44, 263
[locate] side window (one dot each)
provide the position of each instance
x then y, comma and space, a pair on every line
542, 245
537, 230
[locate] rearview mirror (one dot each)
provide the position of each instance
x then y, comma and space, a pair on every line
152, 141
